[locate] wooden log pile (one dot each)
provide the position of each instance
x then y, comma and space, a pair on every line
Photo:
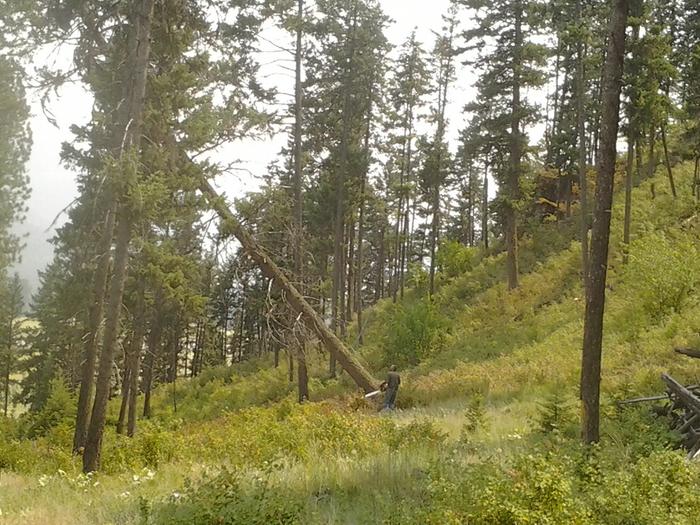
684, 411
683, 407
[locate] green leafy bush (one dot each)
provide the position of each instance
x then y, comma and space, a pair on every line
454, 259
423, 433
663, 272
59, 409
416, 331
229, 498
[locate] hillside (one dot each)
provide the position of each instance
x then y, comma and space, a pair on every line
486, 431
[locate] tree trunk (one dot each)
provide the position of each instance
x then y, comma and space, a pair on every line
8, 364
93, 444
582, 178
628, 199
434, 232
485, 209
379, 286
516, 154
359, 272
132, 358
314, 322
651, 160
94, 321
350, 273
134, 385
138, 44
595, 300
338, 299
154, 338
667, 160
302, 373
126, 384
406, 233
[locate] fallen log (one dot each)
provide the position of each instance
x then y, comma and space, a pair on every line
660, 397
311, 318
689, 352
642, 399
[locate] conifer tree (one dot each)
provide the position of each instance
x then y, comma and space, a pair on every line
15, 143
511, 66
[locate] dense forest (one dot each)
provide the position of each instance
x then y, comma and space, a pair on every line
190, 355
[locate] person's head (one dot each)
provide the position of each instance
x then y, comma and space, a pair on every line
392, 368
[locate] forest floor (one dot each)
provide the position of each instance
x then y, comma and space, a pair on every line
487, 427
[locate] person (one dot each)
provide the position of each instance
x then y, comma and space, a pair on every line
391, 388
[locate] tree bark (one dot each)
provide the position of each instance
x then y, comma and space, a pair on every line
93, 444
667, 161
595, 300
485, 208
359, 272
94, 321
154, 339
628, 199
516, 154
582, 178
446, 69
651, 160
302, 371
338, 299
379, 286
131, 359
138, 55
8, 362
126, 384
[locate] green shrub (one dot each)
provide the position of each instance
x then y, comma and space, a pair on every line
661, 488
423, 433
663, 272
229, 498
58, 409
416, 331
454, 259
537, 490
417, 277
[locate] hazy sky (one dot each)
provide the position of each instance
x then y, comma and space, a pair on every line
53, 186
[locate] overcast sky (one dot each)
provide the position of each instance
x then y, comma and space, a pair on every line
53, 186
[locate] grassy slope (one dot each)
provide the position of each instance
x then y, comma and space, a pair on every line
514, 349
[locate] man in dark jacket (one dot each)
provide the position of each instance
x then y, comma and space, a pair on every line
391, 386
